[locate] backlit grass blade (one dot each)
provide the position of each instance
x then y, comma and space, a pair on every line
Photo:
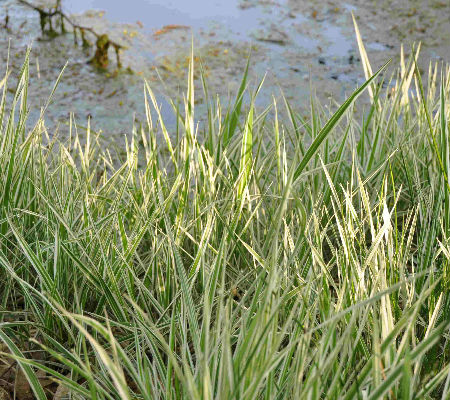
364, 57
246, 154
233, 117
332, 122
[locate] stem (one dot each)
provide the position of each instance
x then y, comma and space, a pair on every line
119, 63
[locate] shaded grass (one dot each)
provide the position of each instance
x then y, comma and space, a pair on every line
251, 258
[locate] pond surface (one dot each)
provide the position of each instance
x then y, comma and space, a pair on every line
298, 45
231, 19
193, 13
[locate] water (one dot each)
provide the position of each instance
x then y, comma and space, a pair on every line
229, 18
154, 14
225, 18
296, 44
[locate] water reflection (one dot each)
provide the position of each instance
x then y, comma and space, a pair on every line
296, 44
198, 14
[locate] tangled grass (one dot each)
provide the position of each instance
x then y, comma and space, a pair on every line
255, 257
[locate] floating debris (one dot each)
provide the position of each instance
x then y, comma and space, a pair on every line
169, 28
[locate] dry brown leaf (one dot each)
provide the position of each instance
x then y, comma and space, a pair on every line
44, 379
61, 392
6, 368
22, 387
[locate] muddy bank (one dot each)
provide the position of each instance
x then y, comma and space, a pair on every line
297, 45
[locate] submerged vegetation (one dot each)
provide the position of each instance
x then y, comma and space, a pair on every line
54, 17
262, 255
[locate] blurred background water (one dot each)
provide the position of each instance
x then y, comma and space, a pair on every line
297, 45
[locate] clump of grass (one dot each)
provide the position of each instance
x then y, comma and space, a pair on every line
254, 258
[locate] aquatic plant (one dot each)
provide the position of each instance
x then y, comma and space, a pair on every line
103, 41
263, 254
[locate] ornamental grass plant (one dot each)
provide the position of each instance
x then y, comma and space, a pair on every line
260, 255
